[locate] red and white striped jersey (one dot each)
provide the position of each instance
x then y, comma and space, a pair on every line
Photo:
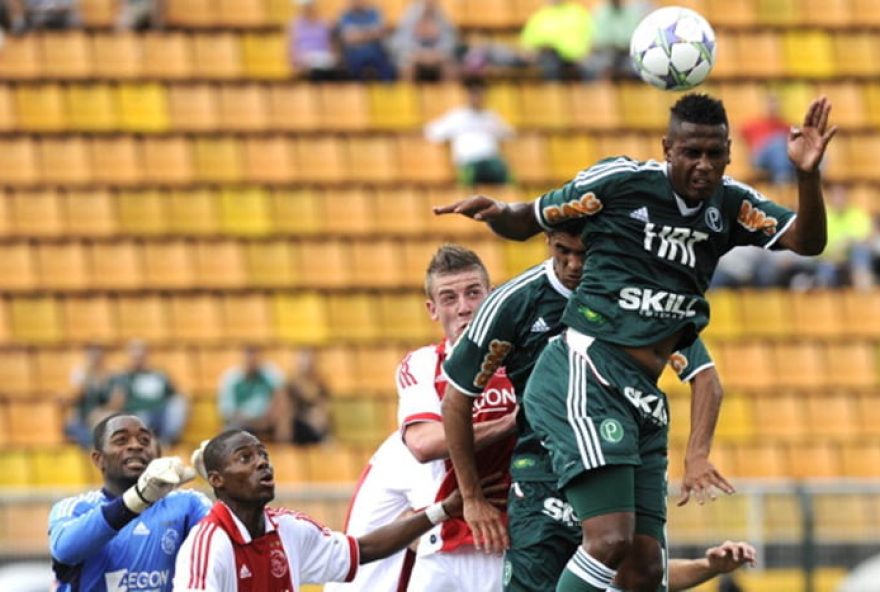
219, 554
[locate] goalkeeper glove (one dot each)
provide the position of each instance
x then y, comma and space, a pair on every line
160, 477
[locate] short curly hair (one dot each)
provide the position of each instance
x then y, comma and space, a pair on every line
700, 109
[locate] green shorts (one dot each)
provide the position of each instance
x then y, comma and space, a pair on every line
544, 534
592, 406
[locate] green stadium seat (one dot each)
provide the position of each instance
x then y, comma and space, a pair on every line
62, 266
116, 265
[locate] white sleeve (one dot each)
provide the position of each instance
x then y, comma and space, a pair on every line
443, 128
417, 394
205, 561
317, 554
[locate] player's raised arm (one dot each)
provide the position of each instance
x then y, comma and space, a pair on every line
806, 147
514, 221
725, 558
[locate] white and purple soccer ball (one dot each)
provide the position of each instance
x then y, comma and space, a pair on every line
673, 48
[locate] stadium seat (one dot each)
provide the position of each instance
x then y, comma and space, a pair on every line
331, 463
860, 460
726, 314
193, 107
867, 12
833, 416
852, 365
203, 422
116, 160
15, 467
64, 160
641, 108
217, 159
301, 318
271, 264
19, 268
435, 100
116, 56
780, 416
191, 13
167, 160
88, 319
142, 317
868, 412
115, 265
240, 13
403, 317
8, 118
63, 466
816, 314
353, 317
344, 107
570, 154
90, 213
246, 318
348, 213
264, 56
243, 107
321, 159
66, 55
268, 159
245, 212
852, 53
826, 13
194, 318
488, 14
400, 212
732, 14
371, 159
448, 225
338, 364
761, 51
800, 365
18, 375
211, 364
736, 422
548, 105
394, 106
40, 107
52, 370
746, 365
34, 423
420, 161
594, 106
167, 56
35, 320
194, 213
37, 213
298, 212
168, 264
143, 107
778, 12
62, 266
519, 256
857, 523
634, 145
358, 421
528, 157
143, 212
294, 107
289, 463
504, 98
91, 107
815, 459
217, 56
860, 149
809, 54
849, 102
21, 58
219, 264
325, 264
766, 313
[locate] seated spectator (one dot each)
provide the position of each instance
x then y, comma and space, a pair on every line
310, 47
475, 133
613, 24
847, 259
26, 15
361, 32
558, 37
425, 43
141, 15
252, 398
767, 139
310, 401
149, 394
91, 382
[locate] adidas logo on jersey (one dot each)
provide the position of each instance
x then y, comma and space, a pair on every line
141, 530
244, 572
640, 214
540, 326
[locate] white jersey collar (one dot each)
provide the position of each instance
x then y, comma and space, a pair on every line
554, 279
683, 208
242, 529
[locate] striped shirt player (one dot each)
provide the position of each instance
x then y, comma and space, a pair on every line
511, 328
97, 545
221, 556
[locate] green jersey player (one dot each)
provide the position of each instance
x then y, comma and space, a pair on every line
510, 329
653, 233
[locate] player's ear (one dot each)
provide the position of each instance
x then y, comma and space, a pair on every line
667, 146
729, 144
97, 459
215, 479
431, 308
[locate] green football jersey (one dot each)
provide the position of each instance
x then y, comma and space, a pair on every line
649, 254
510, 329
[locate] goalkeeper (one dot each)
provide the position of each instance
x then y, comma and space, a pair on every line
125, 536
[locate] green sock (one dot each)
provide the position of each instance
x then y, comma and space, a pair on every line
585, 574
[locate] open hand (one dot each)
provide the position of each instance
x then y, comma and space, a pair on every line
807, 143
700, 479
729, 555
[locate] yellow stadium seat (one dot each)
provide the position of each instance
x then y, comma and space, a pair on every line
294, 107
217, 56
62, 266
344, 107
357, 420
435, 100
488, 14
744, 101
331, 463
641, 108
570, 154
52, 369
742, 13
211, 364
35, 423
98, 13
218, 159
18, 266
504, 98
289, 464
168, 264
65, 160
90, 213
240, 13
191, 13
193, 107
325, 264
394, 106
264, 56
16, 470
852, 364
19, 165
766, 313
89, 318
404, 317
860, 460
400, 211
759, 460
8, 119
321, 159
194, 212
40, 107
832, 416
337, 363
816, 314
763, 53
548, 105
143, 107
204, 421
852, 53
35, 320
219, 264
358, 213
867, 12
91, 107
726, 315
245, 212
800, 364
736, 422
634, 145
421, 161
860, 148
826, 13
780, 415
298, 211
167, 160
869, 414
167, 56
522, 255
116, 160
194, 318
142, 213
268, 159
271, 264
115, 266
371, 159
18, 374
528, 157
448, 226
747, 365
37, 213
849, 102
21, 58
778, 12
246, 318
376, 264
301, 318
809, 54
65, 466
117, 55
243, 107
66, 55
595, 106
142, 317
815, 459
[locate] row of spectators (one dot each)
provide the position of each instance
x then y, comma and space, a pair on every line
253, 395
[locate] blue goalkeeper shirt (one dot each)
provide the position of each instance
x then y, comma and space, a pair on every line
98, 544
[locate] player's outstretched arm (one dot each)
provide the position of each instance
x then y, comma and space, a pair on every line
482, 517
393, 537
515, 221
726, 557
700, 475
806, 147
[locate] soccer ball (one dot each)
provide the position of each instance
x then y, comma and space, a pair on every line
673, 48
